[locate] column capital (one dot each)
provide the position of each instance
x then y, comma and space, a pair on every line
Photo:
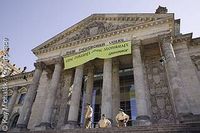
136, 43
116, 61
165, 38
69, 71
48, 71
90, 66
39, 65
58, 60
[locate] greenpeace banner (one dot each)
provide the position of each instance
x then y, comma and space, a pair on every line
104, 52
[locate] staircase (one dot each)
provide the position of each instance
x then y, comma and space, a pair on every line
168, 128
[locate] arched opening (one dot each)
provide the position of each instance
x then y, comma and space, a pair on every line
1, 117
13, 120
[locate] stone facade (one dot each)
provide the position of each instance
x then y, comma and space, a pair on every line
160, 79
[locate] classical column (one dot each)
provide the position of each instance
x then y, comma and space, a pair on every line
89, 84
106, 102
30, 96
64, 107
115, 90
75, 99
175, 82
46, 118
13, 100
139, 82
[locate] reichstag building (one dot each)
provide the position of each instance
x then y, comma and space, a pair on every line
139, 62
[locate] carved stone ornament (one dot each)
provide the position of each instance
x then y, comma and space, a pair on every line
23, 90
95, 28
58, 60
39, 65
159, 94
166, 38
10, 92
161, 10
136, 43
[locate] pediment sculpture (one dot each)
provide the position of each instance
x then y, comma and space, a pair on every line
96, 28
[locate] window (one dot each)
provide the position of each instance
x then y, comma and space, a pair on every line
13, 120
9, 97
127, 96
1, 117
21, 98
97, 113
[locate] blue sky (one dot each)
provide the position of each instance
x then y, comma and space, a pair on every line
28, 23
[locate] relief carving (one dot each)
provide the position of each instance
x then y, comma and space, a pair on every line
96, 28
161, 104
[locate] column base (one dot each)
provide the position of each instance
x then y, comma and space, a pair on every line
143, 120
189, 118
43, 126
21, 127
70, 125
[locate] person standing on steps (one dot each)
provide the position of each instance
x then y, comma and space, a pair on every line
121, 118
88, 116
104, 122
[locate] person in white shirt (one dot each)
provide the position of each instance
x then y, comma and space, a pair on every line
121, 119
88, 116
104, 122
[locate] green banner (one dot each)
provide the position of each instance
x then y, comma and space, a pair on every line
104, 52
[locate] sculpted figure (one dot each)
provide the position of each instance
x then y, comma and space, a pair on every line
121, 119
104, 122
88, 116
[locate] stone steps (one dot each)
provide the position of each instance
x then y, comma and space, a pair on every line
169, 128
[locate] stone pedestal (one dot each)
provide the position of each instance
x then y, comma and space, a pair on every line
139, 82
30, 96
115, 90
106, 102
46, 118
75, 99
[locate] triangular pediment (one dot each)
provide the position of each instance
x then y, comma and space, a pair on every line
99, 24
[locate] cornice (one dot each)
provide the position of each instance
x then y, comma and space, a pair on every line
17, 76
182, 38
195, 42
105, 35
